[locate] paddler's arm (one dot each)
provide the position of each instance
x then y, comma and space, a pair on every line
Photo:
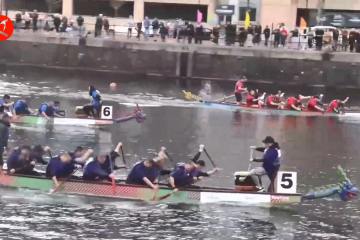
149, 183
46, 116
295, 108
8, 104
257, 159
210, 173
345, 100
118, 148
197, 156
172, 182
56, 183
83, 159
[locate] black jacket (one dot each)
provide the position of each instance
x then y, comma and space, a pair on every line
267, 32
80, 21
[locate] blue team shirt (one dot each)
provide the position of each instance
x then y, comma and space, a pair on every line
2, 108
21, 108
138, 172
94, 172
96, 99
182, 178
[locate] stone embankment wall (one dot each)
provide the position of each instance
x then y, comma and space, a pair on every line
169, 60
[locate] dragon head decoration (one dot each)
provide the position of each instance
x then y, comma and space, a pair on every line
346, 190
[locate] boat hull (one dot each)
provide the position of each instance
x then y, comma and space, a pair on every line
38, 120
234, 107
134, 192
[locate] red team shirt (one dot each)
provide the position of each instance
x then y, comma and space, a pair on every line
237, 86
292, 101
333, 105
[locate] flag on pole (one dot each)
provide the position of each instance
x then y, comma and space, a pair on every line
247, 20
303, 23
199, 16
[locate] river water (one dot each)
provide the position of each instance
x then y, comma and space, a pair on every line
312, 146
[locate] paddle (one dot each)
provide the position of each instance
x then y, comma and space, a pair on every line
123, 155
251, 156
171, 160
165, 196
57, 188
224, 98
209, 158
50, 154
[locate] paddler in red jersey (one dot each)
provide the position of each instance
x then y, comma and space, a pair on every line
273, 102
253, 99
313, 105
294, 103
239, 90
336, 104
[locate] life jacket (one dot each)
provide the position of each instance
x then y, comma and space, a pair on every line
333, 105
296, 103
239, 83
311, 104
49, 110
96, 96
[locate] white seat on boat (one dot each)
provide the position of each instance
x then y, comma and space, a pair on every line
241, 173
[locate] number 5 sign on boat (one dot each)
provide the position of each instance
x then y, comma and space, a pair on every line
107, 112
286, 182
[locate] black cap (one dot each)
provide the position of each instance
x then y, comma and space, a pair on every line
268, 139
201, 163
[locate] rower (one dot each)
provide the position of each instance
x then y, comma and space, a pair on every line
49, 109
94, 172
253, 100
146, 172
56, 168
37, 152
200, 164
313, 105
273, 102
335, 105
239, 90
20, 162
22, 108
5, 104
183, 176
294, 103
271, 163
96, 103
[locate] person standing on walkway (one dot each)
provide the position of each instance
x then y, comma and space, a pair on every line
80, 22
147, 28
35, 17
199, 34
266, 35
57, 22
98, 25
18, 20
106, 26
130, 26
155, 25
64, 24
27, 20
345, 40
352, 36
138, 29
283, 35
163, 32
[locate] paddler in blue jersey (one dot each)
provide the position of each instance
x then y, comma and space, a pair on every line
57, 168
49, 109
94, 108
22, 108
5, 104
20, 162
109, 164
271, 163
94, 172
146, 172
183, 176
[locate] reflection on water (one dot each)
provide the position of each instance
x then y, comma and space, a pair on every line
312, 146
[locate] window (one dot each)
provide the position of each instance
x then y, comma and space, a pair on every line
242, 13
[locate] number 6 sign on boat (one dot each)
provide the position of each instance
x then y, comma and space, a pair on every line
107, 112
286, 182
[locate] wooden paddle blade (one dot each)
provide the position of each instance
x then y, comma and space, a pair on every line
165, 196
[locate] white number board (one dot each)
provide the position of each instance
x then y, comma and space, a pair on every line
107, 112
286, 182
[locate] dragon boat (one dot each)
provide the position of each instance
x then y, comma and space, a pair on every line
232, 106
190, 195
81, 119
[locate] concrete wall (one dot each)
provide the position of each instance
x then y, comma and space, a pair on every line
188, 61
